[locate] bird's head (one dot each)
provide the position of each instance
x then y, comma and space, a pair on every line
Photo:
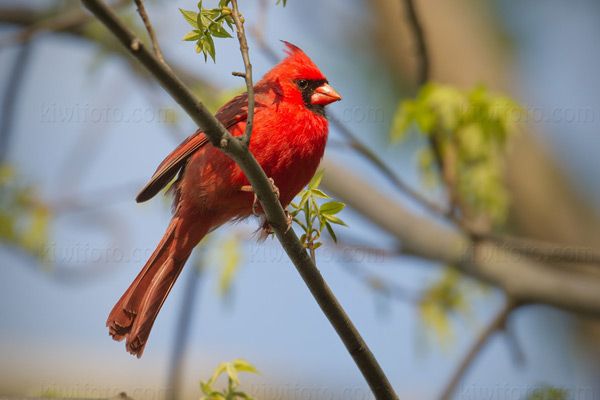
299, 80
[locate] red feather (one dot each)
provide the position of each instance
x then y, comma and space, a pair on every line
288, 140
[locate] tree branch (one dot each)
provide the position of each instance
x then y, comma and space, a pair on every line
71, 20
498, 323
11, 95
248, 68
521, 278
220, 137
142, 11
419, 36
537, 249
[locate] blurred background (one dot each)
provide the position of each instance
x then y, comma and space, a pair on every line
83, 127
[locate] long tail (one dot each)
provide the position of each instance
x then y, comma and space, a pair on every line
134, 314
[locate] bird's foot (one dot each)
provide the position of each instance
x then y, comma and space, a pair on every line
255, 203
266, 229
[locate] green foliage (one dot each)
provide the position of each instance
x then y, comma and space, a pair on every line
316, 217
442, 300
24, 221
475, 126
279, 1
207, 24
230, 257
548, 392
231, 392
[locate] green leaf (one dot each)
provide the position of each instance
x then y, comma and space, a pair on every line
212, 13
331, 208
304, 199
316, 180
218, 371
319, 193
244, 366
205, 20
217, 30
209, 46
330, 231
192, 36
191, 17
335, 220
200, 22
232, 373
284, 2
206, 388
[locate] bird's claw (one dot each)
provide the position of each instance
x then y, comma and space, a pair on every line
266, 229
255, 203
289, 219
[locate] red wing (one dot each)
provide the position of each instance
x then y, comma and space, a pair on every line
230, 114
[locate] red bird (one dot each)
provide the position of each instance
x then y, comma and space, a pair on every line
288, 140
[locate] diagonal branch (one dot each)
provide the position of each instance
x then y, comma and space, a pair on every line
497, 324
220, 137
520, 277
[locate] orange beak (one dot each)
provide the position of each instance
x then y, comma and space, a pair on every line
324, 95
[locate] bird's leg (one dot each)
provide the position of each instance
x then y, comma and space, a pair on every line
266, 229
248, 188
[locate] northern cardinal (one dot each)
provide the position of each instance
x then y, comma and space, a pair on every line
288, 140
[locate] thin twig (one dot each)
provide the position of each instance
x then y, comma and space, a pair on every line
497, 324
386, 171
419, 35
65, 20
422, 78
11, 97
248, 67
142, 11
382, 284
240, 154
311, 249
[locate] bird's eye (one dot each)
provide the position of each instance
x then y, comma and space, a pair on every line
302, 83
